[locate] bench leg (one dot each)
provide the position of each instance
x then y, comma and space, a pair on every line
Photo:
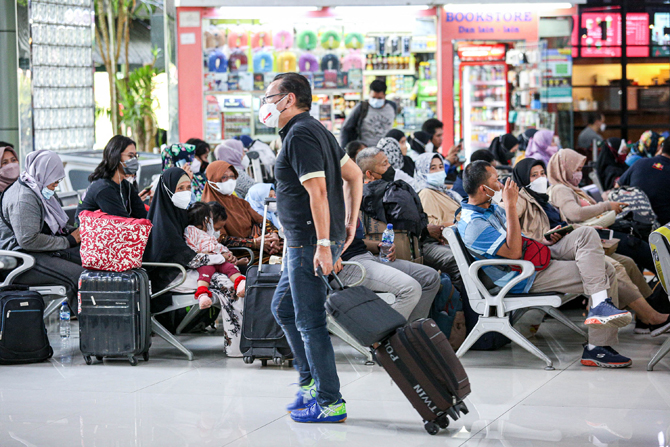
559, 316
163, 333
663, 350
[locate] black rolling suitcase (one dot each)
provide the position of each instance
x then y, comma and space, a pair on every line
114, 316
420, 360
262, 338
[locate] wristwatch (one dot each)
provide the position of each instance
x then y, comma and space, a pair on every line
324, 242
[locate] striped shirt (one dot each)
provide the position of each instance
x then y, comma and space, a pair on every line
484, 231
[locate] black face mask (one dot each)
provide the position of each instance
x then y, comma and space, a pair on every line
389, 175
509, 155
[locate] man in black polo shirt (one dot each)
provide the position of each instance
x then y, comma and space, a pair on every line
313, 173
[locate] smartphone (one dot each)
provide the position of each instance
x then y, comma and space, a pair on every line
561, 231
605, 234
147, 188
181, 163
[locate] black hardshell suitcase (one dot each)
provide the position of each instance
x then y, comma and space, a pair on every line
23, 336
114, 316
420, 360
262, 337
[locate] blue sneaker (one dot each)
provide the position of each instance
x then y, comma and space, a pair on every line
304, 397
606, 314
605, 357
336, 412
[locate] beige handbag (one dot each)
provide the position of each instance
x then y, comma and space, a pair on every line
407, 247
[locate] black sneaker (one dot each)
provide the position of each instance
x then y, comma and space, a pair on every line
604, 357
658, 329
641, 328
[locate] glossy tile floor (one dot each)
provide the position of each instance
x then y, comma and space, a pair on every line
215, 401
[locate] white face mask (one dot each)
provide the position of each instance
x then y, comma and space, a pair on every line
226, 188
497, 195
210, 230
430, 147
181, 199
539, 185
576, 178
268, 114
272, 207
603, 126
376, 103
623, 148
245, 162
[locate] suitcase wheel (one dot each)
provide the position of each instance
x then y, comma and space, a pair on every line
431, 428
278, 361
248, 360
132, 360
98, 358
264, 362
145, 356
87, 359
443, 421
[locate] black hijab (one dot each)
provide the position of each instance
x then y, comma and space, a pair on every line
396, 134
501, 146
610, 165
521, 176
166, 241
525, 137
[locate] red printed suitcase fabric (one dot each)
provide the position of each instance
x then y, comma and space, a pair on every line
112, 243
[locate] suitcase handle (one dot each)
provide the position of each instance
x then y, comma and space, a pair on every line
337, 278
181, 268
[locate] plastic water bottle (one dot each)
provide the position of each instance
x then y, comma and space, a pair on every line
387, 242
64, 320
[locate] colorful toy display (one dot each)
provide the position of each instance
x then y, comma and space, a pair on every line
330, 62
283, 40
353, 60
308, 62
331, 40
238, 61
261, 39
307, 40
354, 41
263, 61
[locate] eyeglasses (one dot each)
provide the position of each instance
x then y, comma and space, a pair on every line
264, 99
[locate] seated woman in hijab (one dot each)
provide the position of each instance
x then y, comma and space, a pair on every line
242, 229
575, 205
182, 156
650, 145
110, 191
537, 216
611, 162
34, 222
169, 218
202, 150
9, 167
504, 149
541, 146
392, 150
232, 152
401, 138
419, 144
256, 198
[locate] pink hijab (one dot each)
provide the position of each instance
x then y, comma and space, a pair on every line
231, 151
561, 168
10, 172
541, 146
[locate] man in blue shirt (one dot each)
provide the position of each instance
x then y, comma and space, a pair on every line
490, 233
652, 175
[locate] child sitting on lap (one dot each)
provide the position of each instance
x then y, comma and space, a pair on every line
201, 236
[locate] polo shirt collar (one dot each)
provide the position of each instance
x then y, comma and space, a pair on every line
478, 209
299, 117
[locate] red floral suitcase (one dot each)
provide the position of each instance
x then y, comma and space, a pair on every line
112, 243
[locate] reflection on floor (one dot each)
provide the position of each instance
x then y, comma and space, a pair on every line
215, 401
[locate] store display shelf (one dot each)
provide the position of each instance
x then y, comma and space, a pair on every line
502, 82
501, 123
235, 109
320, 91
401, 95
424, 51
488, 104
409, 72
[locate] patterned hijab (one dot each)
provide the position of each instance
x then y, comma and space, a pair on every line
423, 169
561, 168
43, 168
177, 154
391, 148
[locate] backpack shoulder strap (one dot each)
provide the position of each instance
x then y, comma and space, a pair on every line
2, 213
365, 106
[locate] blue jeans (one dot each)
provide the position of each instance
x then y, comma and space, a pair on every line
299, 308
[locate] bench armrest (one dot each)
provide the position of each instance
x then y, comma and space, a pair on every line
497, 301
27, 264
182, 271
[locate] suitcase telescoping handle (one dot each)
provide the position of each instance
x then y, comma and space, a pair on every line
337, 278
182, 271
268, 201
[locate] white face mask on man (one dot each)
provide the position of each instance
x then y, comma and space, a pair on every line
268, 114
496, 197
376, 103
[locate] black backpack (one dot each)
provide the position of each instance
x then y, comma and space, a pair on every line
23, 336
